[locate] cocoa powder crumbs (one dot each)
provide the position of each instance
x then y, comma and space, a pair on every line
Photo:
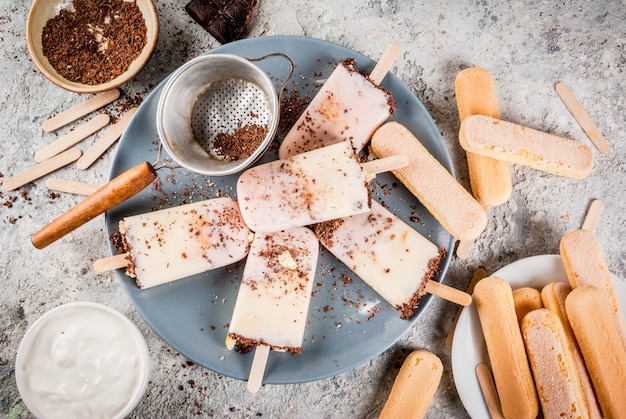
241, 144
291, 107
94, 41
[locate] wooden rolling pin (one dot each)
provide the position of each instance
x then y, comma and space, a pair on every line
106, 197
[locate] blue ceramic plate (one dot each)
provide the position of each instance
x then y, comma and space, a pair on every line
192, 314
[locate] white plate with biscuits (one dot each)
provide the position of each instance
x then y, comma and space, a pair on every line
468, 346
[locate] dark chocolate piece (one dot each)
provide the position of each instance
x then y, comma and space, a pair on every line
225, 20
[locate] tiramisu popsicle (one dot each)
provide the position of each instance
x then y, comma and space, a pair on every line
502, 140
552, 362
593, 322
174, 243
348, 107
476, 95
505, 345
553, 297
389, 255
585, 264
414, 387
273, 300
308, 188
453, 206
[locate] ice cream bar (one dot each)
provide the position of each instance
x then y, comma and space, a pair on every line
389, 255
503, 338
414, 387
178, 242
502, 140
605, 356
552, 362
476, 95
308, 188
349, 106
273, 300
585, 264
453, 206
553, 297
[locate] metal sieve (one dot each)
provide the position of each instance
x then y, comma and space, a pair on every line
218, 113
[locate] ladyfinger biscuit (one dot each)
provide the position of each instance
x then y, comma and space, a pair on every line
556, 378
553, 297
514, 143
594, 327
585, 264
444, 197
415, 386
476, 95
503, 337
526, 299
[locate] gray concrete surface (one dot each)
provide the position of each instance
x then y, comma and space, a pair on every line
527, 45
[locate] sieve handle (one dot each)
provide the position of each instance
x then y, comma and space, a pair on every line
291, 67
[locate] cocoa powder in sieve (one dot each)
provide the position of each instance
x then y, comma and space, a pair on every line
94, 41
242, 143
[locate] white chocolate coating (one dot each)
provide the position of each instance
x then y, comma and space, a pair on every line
273, 299
389, 255
316, 186
347, 107
178, 242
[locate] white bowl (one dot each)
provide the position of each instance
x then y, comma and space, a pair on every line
82, 359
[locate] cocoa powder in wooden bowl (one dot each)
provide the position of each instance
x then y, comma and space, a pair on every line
90, 46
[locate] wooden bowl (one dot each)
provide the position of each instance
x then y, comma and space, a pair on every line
43, 10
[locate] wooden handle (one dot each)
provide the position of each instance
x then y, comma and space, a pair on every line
463, 248
593, 215
478, 275
108, 196
448, 293
71, 186
42, 169
257, 370
384, 64
73, 137
106, 141
111, 263
80, 110
488, 387
387, 164
582, 117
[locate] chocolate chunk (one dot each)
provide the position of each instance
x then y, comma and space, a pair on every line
225, 20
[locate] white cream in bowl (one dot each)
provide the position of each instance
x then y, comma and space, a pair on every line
82, 360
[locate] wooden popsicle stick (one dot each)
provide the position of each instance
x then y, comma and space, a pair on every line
41, 169
80, 110
384, 64
111, 263
387, 164
464, 247
582, 117
255, 379
488, 387
478, 275
106, 141
448, 293
71, 186
108, 196
73, 137
593, 215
